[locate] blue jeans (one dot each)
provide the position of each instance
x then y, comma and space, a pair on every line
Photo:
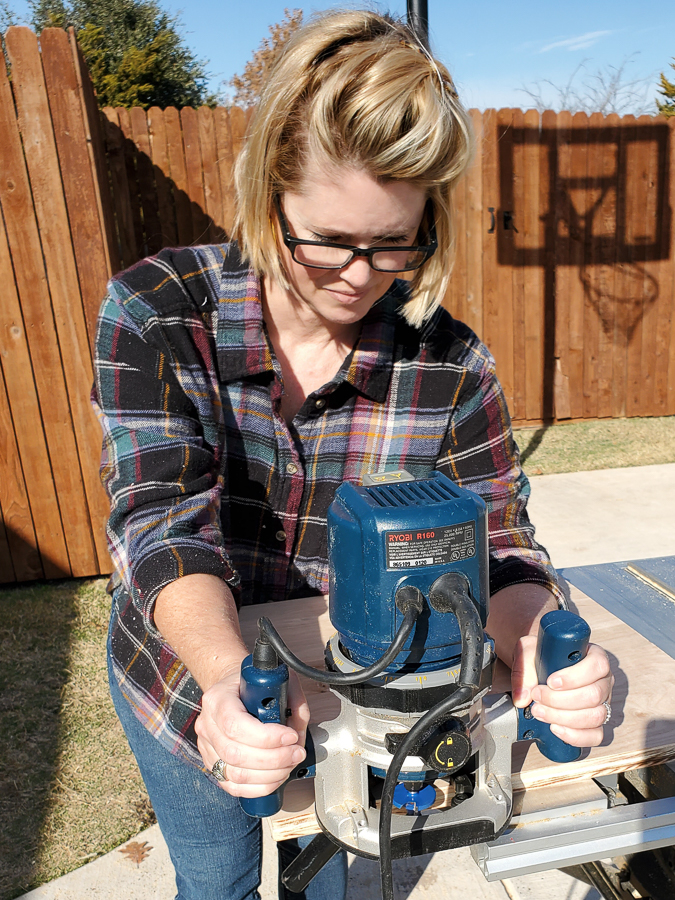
216, 849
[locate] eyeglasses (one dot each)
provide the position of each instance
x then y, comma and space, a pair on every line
328, 255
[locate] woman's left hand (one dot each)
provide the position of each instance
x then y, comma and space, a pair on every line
572, 701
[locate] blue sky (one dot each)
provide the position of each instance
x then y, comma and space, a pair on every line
491, 47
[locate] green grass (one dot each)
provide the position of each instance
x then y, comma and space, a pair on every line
605, 444
69, 787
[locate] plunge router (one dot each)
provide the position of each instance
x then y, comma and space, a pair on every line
413, 669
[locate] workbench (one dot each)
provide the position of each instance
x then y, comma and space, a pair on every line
641, 734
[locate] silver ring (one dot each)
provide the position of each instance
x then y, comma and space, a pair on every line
607, 706
218, 770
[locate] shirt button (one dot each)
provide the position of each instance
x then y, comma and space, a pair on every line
281, 535
291, 468
320, 403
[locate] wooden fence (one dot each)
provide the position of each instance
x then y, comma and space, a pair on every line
565, 267
566, 261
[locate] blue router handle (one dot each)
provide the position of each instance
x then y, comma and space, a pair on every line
562, 642
264, 693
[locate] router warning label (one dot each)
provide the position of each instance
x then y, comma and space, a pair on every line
431, 546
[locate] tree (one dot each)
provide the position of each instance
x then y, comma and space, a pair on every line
7, 17
607, 90
248, 85
134, 50
667, 89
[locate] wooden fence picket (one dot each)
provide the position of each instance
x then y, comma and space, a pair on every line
530, 256
153, 236
176, 155
83, 503
195, 180
212, 188
518, 273
114, 147
19, 554
666, 372
160, 158
225, 166
65, 104
35, 384
475, 222
655, 306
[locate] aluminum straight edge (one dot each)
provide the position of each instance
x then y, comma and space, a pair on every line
565, 840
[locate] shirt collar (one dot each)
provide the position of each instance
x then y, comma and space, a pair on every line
244, 349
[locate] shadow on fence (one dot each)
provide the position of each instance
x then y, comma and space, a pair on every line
566, 261
170, 175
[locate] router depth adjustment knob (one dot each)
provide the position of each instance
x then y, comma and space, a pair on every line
448, 749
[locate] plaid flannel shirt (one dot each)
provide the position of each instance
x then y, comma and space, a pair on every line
205, 476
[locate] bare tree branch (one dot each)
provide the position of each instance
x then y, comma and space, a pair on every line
248, 85
608, 90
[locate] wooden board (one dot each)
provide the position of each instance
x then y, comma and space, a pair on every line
7, 572
195, 176
19, 556
34, 380
114, 146
603, 159
212, 189
663, 268
65, 104
81, 499
225, 166
531, 243
518, 273
642, 730
475, 222
176, 156
130, 152
670, 255
160, 159
146, 181
93, 123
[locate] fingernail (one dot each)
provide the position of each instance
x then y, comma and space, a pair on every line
538, 712
558, 730
289, 738
298, 755
555, 683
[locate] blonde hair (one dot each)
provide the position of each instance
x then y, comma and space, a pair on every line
354, 89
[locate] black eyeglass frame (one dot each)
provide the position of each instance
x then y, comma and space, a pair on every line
368, 252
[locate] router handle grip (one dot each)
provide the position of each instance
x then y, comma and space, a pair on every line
264, 693
562, 642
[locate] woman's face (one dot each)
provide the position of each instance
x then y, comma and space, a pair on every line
347, 206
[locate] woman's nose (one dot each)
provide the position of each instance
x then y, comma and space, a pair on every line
357, 273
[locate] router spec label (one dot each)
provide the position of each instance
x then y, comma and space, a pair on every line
431, 546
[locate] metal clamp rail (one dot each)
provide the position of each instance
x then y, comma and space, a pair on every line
557, 838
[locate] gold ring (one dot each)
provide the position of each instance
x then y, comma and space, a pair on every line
218, 770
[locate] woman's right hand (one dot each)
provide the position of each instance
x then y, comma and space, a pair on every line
259, 758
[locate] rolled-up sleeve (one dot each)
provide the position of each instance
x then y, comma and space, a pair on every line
162, 458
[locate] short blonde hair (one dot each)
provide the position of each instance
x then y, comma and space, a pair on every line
358, 89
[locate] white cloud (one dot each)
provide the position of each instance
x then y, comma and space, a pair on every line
582, 42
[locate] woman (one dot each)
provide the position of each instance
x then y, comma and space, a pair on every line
239, 385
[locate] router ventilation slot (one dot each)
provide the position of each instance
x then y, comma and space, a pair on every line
410, 493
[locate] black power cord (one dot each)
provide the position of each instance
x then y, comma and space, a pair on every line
447, 594
269, 633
